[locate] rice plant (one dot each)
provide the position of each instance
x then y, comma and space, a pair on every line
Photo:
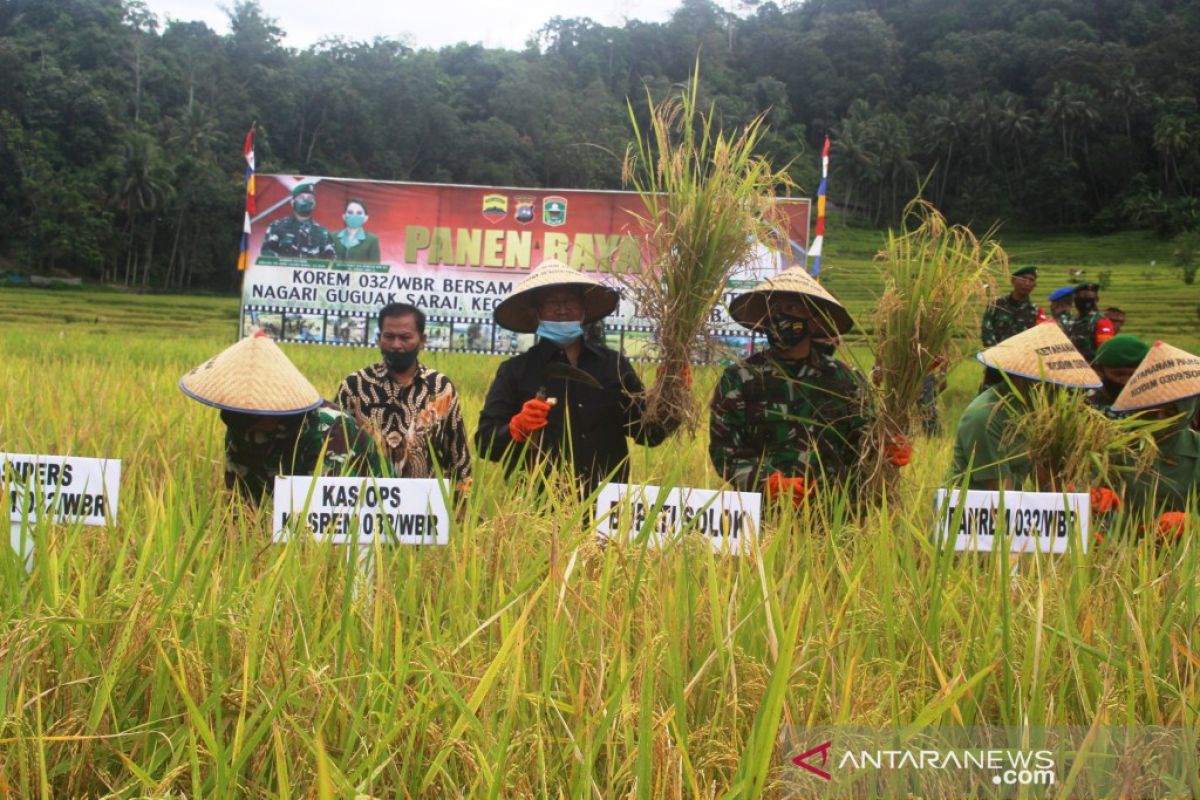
180, 653
708, 197
935, 279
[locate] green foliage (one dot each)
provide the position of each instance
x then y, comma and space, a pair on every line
1186, 255
1084, 114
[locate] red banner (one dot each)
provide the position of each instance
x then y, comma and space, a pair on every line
327, 254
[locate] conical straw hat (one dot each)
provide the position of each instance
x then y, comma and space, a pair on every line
750, 308
1165, 375
1042, 353
518, 312
254, 377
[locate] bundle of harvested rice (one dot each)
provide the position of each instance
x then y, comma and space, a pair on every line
708, 198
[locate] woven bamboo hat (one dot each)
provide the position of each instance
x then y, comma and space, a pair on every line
1165, 375
518, 311
749, 309
253, 377
1042, 353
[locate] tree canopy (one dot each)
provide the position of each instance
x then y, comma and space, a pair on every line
120, 137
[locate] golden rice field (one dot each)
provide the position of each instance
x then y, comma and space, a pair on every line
182, 654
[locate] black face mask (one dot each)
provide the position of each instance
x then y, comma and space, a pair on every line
1085, 305
787, 331
1112, 388
237, 422
399, 360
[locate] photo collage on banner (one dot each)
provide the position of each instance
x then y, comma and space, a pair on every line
326, 254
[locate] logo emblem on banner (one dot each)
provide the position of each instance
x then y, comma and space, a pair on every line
524, 212
495, 207
554, 210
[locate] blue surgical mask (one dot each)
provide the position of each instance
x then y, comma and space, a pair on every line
354, 220
561, 333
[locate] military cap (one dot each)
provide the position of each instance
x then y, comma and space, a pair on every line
1122, 350
301, 188
1028, 269
1061, 294
1095, 287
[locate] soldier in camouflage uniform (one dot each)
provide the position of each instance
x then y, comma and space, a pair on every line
299, 236
1115, 362
276, 422
1061, 308
1092, 328
787, 417
258, 448
1009, 315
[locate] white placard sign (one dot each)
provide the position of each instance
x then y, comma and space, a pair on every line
63, 488
1042, 521
728, 520
357, 510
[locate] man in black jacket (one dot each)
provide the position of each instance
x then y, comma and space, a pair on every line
531, 408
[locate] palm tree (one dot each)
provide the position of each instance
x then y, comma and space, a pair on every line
857, 161
1129, 93
1072, 108
1015, 124
143, 185
1172, 137
942, 125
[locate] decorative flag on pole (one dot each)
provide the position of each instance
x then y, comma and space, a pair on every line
244, 254
819, 237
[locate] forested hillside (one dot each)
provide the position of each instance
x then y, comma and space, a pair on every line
120, 134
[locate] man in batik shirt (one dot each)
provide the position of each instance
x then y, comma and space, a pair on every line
412, 409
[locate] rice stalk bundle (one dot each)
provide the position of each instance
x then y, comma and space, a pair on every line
936, 280
708, 198
1073, 446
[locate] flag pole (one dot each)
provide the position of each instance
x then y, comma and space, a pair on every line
819, 238
248, 211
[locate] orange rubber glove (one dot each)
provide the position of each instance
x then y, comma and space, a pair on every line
780, 486
1171, 525
531, 417
898, 450
1105, 500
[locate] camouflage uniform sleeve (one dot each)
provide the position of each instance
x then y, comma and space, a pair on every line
987, 328
270, 240
728, 428
453, 453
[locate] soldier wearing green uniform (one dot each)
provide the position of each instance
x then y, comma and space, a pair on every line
1091, 329
1009, 315
986, 451
793, 414
1061, 308
1166, 386
299, 236
276, 422
1115, 362
259, 448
